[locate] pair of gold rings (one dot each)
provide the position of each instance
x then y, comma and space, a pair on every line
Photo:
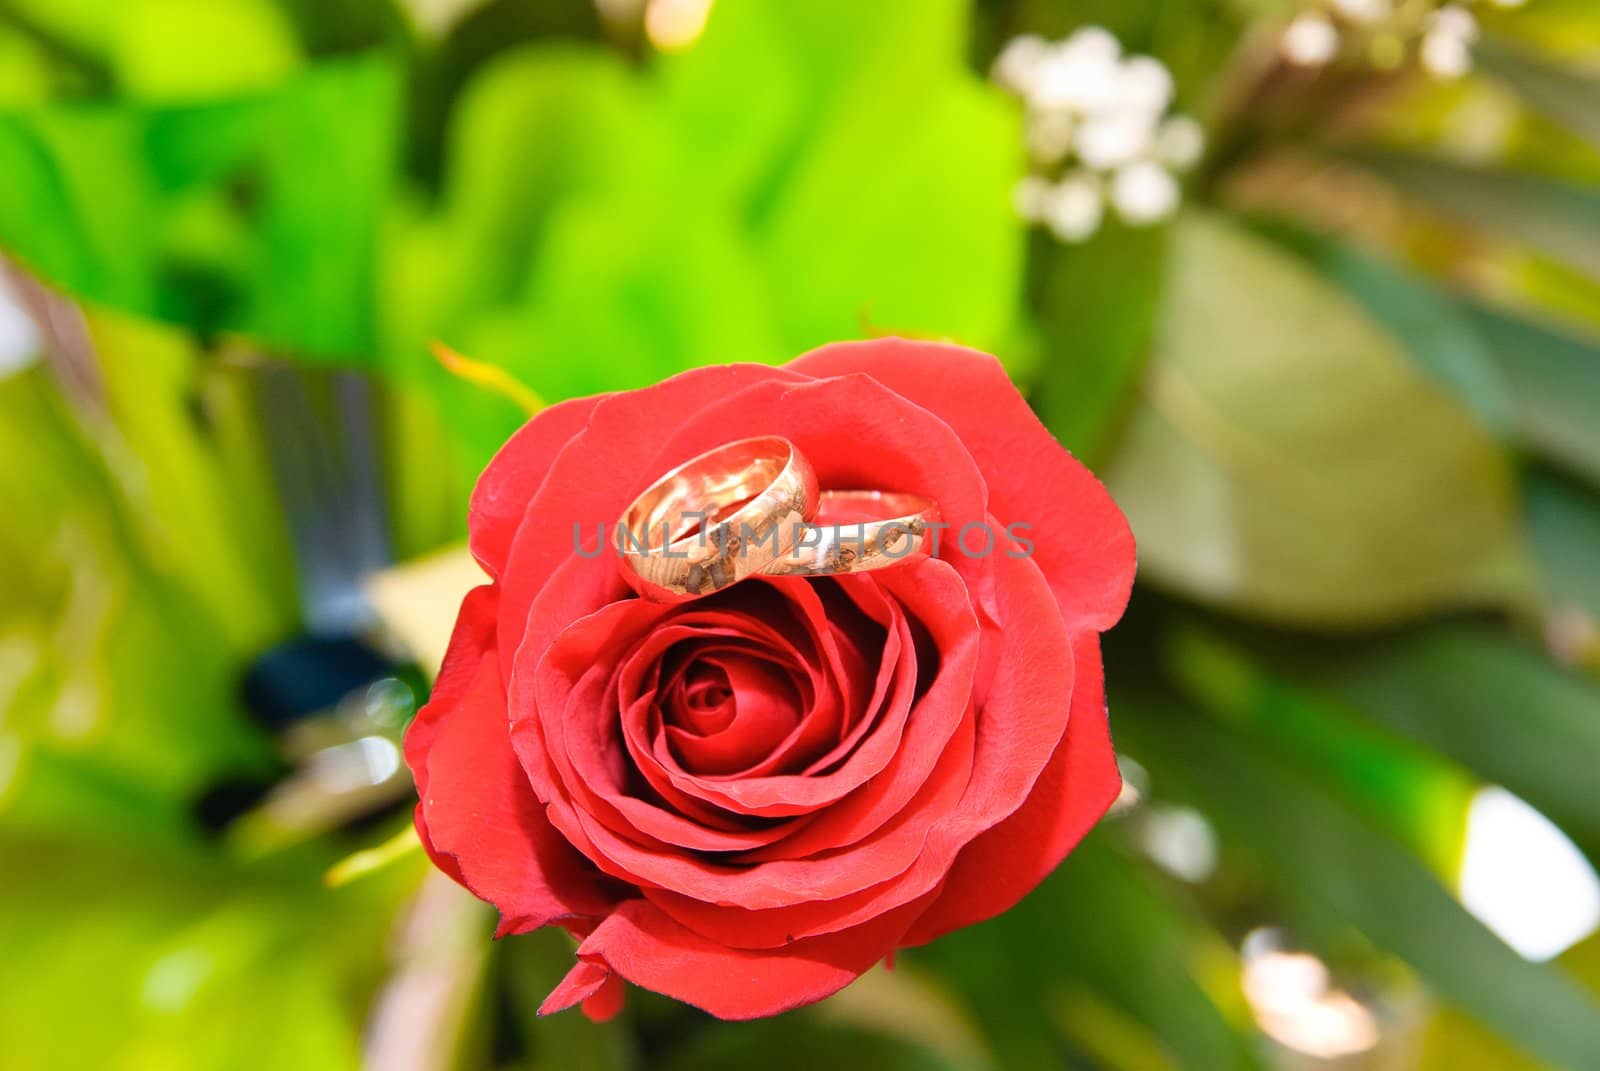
753, 507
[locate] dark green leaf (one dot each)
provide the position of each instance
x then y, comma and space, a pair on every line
801, 1042
1535, 384
1326, 866
1106, 925
532, 965
1560, 218
1453, 1041
1407, 790
1452, 687
1564, 522
1554, 377
1097, 311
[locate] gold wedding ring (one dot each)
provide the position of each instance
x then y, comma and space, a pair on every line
717, 518
752, 507
859, 531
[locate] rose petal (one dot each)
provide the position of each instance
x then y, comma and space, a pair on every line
765, 790
512, 476
582, 819
636, 694
1025, 716
647, 948
1081, 782
579, 584
597, 781
599, 991
476, 809
568, 742
765, 707
935, 598
779, 883
882, 872
1082, 541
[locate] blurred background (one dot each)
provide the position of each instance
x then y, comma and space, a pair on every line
1313, 284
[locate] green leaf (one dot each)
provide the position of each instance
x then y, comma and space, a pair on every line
1453, 1041
46, 788
808, 173
1104, 925
622, 296
76, 33
1564, 523
552, 259
1327, 868
343, 26
185, 962
119, 682
257, 214
1533, 384
1554, 380
1565, 95
1449, 688
200, 514
896, 217
1407, 790
1438, 335
26, 75
174, 50
1098, 304
1286, 459
800, 1042
477, 32
539, 125
533, 964
1560, 218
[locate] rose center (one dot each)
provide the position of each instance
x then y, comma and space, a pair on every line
728, 709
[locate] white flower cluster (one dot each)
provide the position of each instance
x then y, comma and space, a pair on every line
1097, 132
1442, 34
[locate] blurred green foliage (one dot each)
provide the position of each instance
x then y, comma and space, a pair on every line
1350, 399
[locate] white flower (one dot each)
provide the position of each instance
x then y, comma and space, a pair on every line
1144, 193
1074, 208
1310, 40
1018, 64
1093, 43
1445, 55
1180, 142
1143, 85
1107, 142
1446, 50
1365, 12
1454, 21
1079, 74
1089, 107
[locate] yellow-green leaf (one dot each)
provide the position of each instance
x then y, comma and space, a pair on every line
1287, 460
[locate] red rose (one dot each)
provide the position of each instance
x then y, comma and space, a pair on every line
747, 800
